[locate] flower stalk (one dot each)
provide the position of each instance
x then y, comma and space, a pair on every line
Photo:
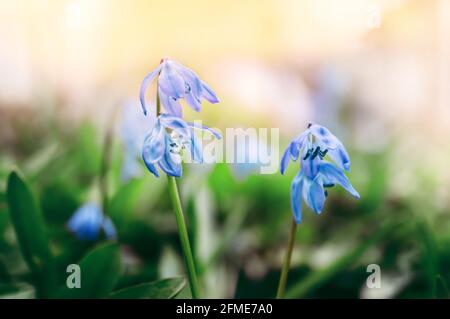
287, 261
184, 238
182, 230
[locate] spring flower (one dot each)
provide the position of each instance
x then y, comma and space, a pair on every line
316, 174
87, 222
176, 82
167, 142
317, 140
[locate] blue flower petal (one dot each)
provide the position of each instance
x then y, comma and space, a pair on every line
310, 167
154, 145
109, 229
171, 104
86, 222
196, 149
285, 159
332, 175
296, 197
170, 81
169, 166
297, 144
208, 94
340, 156
193, 101
314, 194
205, 128
144, 85
151, 167
170, 163
194, 85
324, 137
175, 123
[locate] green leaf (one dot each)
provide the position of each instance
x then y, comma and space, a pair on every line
160, 289
100, 270
31, 232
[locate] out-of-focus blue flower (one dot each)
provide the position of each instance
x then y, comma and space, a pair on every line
168, 140
317, 140
175, 82
316, 174
88, 221
134, 127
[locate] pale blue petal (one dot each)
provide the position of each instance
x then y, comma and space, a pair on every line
196, 149
285, 159
144, 85
208, 94
86, 222
340, 156
332, 175
170, 81
175, 123
193, 82
297, 144
324, 137
169, 166
310, 167
205, 128
314, 194
151, 167
193, 101
296, 197
172, 105
154, 145
109, 229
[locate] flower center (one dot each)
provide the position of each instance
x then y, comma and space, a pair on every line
177, 143
314, 152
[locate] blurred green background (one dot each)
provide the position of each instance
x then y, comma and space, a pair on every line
376, 73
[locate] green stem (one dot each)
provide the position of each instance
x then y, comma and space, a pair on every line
184, 238
182, 230
106, 161
287, 261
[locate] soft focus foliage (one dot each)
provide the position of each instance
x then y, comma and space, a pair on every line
375, 73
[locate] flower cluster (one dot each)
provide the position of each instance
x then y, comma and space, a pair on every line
171, 136
315, 173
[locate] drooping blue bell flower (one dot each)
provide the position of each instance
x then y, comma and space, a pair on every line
176, 82
170, 138
315, 174
314, 139
88, 221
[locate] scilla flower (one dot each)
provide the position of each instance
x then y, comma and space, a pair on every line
317, 140
166, 143
88, 221
316, 174
176, 82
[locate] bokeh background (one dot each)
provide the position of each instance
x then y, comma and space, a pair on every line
377, 73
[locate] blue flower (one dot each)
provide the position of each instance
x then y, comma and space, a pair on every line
175, 82
317, 140
87, 222
167, 142
316, 174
